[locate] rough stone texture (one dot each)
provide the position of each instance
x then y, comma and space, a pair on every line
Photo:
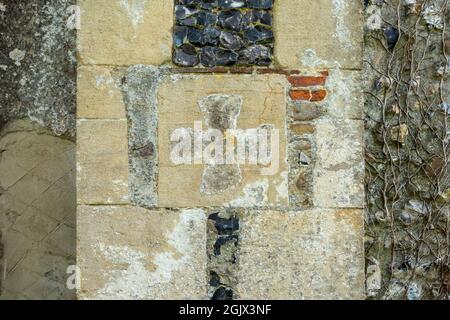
38, 64
263, 99
345, 99
132, 253
407, 141
37, 212
223, 33
139, 92
125, 32
339, 170
223, 251
102, 162
330, 30
327, 263
213, 230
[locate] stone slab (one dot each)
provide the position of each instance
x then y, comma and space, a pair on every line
316, 254
125, 32
318, 33
131, 253
99, 95
263, 102
102, 162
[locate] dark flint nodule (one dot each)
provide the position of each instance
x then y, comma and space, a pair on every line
223, 294
179, 35
257, 34
231, 4
260, 4
224, 226
256, 55
231, 20
206, 18
213, 56
223, 33
186, 56
230, 40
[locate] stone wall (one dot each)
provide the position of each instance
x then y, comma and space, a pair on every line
37, 168
151, 228
407, 177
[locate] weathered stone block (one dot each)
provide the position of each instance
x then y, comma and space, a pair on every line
318, 33
125, 32
339, 170
102, 155
238, 102
345, 99
317, 254
132, 253
99, 95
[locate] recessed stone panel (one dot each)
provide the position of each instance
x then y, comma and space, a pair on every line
221, 102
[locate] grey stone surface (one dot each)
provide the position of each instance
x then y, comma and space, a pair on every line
38, 64
139, 90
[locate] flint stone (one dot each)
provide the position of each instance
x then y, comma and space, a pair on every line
257, 34
211, 56
230, 40
186, 56
231, 20
257, 54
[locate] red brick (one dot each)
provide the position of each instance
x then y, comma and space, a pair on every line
307, 81
318, 95
300, 94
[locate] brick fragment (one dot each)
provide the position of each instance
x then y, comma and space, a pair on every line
307, 81
300, 95
318, 95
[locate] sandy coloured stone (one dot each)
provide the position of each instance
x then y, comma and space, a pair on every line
102, 162
263, 103
99, 95
339, 170
329, 30
316, 254
124, 32
132, 253
37, 205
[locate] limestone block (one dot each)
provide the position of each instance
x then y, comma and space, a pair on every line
132, 253
259, 100
125, 32
102, 155
315, 254
99, 95
318, 33
339, 170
